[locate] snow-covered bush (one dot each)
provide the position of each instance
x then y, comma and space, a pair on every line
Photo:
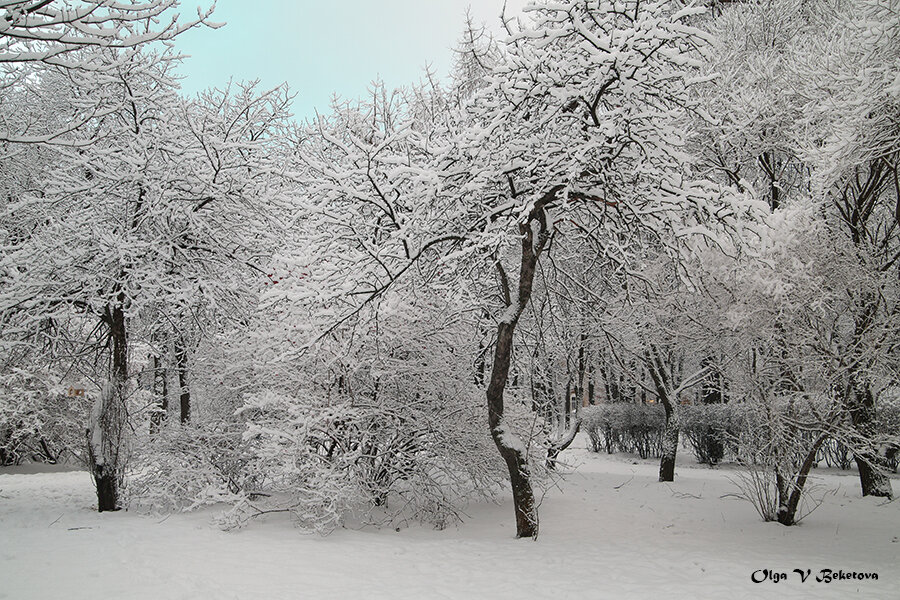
625, 427
183, 467
373, 461
39, 420
778, 445
712, 430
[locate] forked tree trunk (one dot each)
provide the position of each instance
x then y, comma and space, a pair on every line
790, 495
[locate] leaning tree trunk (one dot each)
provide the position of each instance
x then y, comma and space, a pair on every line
510, 446
562, 443
790, 495
105, 434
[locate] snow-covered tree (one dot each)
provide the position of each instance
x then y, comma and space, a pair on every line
851, 138
53, 31
140, 225
670, 328
575, 129
747, 137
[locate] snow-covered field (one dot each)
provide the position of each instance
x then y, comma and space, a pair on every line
609, 531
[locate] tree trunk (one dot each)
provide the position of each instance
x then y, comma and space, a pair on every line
105, 434
873, 481
161, 394
509, 445
669, 444
790, 496
662, 383
107, 491
590, 388
582, 370
181, 368
769, 163
564, 442
859, 196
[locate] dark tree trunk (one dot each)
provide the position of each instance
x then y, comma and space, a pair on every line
769, 163
181, 368
669, 445
105, 436
873, 481
107, 490
161, 393
612, 385
662, 382
790, 495
582, 371
508, 444
510, 447
590, 388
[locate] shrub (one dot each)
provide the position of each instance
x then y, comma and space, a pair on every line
38, 420
712, 430
184, 467
835, 454
625, 427
326, 463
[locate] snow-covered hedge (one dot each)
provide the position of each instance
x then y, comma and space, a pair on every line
712, 430
327, 462
625, 427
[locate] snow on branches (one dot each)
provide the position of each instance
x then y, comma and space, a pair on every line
51, 32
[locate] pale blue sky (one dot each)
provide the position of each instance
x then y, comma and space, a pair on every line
324, 47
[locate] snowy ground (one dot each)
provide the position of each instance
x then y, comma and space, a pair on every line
610, 531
